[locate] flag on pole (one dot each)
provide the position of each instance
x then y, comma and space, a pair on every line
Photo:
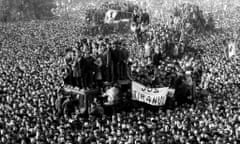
115, 16
110, 16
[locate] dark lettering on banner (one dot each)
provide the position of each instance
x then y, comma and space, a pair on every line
143, 89
111, 15
152, 96
142, 97
155, 90
139, 95
149, 89
148, 99
160, 100
154, 100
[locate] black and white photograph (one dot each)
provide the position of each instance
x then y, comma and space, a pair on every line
119, 71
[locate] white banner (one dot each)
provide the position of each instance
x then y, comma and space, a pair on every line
152, 96
115, 16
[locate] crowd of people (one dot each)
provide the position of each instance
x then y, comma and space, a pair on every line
34, 64
95, 61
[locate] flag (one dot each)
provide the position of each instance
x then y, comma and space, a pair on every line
115, 16
110, 16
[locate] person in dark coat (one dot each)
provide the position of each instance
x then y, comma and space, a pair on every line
107, 62
169, 48
136, 22
58, 105
181, 91
96, 110
68, 78
115, 61
145, 19
90, 69
83, 69
99, 76
77, 72
124, 54
69, 105
157, 56
135, 17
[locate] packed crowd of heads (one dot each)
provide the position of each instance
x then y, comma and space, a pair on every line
32, 54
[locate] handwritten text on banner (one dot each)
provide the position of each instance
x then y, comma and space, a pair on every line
152, 96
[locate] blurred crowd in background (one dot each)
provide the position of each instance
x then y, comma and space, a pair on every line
38, 58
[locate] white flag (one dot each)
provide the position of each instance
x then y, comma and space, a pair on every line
110, 16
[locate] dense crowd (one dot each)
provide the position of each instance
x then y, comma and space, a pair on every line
31, 74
